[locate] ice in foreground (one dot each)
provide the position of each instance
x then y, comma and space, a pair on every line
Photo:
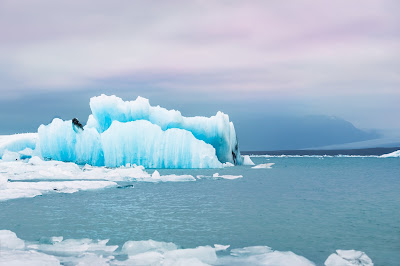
135, 132
348, 258
56, 251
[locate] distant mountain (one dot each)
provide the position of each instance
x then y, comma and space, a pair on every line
297, 132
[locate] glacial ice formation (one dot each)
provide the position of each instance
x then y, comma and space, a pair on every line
135, 132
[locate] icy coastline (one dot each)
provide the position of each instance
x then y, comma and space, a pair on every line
57, 251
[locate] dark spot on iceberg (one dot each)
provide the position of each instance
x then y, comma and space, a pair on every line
77, 125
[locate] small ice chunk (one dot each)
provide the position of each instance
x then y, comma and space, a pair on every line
136, 247
31, 258
10, 156
263, 166
263, 255
216, 175
9, 240
247, 160
70, 247
348, 258
228, 164
221, 247
198, 256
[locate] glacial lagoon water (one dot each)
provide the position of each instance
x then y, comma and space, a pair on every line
310, 206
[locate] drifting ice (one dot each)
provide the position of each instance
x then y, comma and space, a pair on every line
135, 132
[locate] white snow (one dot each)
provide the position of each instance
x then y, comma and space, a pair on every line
247, 160
348, 258
392, 154
263, 166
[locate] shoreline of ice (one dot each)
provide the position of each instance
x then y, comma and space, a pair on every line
57, 250
33, 177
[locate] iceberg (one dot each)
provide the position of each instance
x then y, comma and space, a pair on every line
134, 132
247, 160
392, 154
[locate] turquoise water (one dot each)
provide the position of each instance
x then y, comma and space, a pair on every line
311, 206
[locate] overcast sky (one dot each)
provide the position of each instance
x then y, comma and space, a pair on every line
338, 58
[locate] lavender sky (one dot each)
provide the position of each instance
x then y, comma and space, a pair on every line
338, 58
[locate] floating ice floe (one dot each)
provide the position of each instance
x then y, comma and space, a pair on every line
348, 258
217, 175
72, 178
58, 251
14, 190
263, 166
247, 160
392, 154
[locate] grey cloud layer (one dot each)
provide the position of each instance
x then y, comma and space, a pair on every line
305, 49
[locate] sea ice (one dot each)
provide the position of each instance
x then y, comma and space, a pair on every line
263, 166
247, 160
156, 177
348, 258
392, 154
14, 190
31, 258
15, 251
221, 247
217, 175
9, 240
